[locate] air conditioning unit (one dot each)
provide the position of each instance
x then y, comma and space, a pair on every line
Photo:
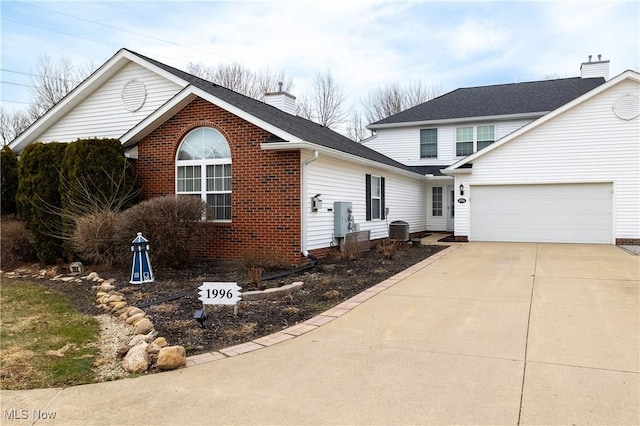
399, 230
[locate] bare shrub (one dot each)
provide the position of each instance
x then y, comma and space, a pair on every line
349, 250
15, 245
388, 248
255, 276
95, 238
271, 260
171, 224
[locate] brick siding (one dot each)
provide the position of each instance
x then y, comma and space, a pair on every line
265, 184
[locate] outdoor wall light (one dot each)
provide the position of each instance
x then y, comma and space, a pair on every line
316, 202
461, 189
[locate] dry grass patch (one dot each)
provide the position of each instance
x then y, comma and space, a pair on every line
44, 342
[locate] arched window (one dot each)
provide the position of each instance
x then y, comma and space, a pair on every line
203, 169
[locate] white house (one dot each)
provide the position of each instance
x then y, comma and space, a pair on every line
449, 137
572, 175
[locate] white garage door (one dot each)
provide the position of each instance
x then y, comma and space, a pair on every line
567, 213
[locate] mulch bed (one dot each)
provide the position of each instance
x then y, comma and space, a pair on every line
329, 283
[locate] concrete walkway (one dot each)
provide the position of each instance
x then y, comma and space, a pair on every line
489, 333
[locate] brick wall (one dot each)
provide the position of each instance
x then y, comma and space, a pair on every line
265, 184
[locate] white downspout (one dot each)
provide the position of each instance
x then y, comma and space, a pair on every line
303, 204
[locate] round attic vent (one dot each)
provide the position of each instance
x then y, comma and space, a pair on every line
133, 95
627, 107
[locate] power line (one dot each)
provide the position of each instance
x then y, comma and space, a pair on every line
56, 31
14, 102
123, 30
16, 84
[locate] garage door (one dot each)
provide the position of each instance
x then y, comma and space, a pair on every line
567, 213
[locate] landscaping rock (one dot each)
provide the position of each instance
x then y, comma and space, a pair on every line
137, 339
143, 326
132, 310
136, 360
133, 319
171, 357
160, 341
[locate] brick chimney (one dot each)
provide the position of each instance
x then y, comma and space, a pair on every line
593, 69
281, 100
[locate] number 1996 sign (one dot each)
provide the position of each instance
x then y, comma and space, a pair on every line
212, 293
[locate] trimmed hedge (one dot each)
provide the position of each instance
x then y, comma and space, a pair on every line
38, 181
8, 180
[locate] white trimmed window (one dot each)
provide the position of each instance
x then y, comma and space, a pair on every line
203, 169
486, 136
436, 201
470, 140
428, 143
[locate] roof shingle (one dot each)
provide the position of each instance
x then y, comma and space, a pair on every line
503, 99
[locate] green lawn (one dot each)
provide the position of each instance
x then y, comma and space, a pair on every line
44, 342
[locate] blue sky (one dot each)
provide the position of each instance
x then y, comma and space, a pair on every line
364, 43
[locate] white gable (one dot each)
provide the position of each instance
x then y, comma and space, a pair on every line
116, 106
587, 143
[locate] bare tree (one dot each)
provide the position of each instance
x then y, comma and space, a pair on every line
52, 81
237, 77
12, 124
394, 98
323, 103
356, 129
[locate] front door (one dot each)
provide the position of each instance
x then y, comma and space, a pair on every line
451, 205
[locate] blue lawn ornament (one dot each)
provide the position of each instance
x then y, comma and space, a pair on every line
141, 271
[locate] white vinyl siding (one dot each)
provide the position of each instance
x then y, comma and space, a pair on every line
586, 144
403, 144
405, 197
103, 115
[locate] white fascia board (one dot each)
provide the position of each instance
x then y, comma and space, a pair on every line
504, 117
432, 178
334, 153
182, 99
156, 118
453, 172
629, 74
73, 98
82, 91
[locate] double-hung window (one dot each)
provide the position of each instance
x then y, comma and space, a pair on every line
203, 169
375, 208
428, 143
464, 141
485, 136
470, 139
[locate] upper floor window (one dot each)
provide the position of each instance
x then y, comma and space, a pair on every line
486, 136
203, 169
464, 141
467, 142
428, 143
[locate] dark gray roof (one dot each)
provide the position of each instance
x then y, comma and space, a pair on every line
429, 170
300, 127
503, 99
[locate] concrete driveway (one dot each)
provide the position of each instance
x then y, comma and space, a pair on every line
489, 333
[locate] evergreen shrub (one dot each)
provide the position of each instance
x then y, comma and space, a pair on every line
8, 180
38, 181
